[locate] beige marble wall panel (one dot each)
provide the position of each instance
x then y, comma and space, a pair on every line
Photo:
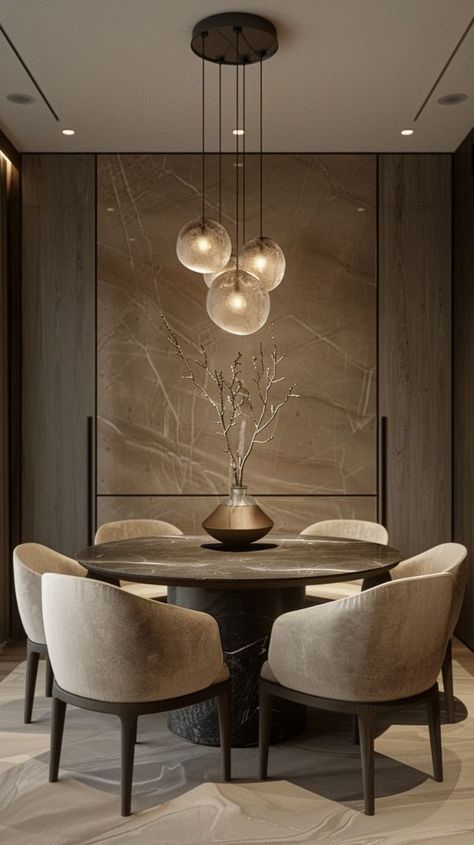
155, 436
290, 513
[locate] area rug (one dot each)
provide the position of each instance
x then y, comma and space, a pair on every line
314, 795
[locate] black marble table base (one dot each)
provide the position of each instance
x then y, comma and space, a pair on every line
245, 618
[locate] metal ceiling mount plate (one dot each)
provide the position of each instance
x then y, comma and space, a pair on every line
215, 38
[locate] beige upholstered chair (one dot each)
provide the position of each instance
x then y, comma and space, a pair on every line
30, 562
370, 653
118, 653
350, 529
447, 557
125, 529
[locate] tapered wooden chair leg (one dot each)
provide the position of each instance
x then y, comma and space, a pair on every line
355, 730
432, 706
58, 713
447, 670
48, 687
128, 738
264, 730
32, 658
366, 738
224, 703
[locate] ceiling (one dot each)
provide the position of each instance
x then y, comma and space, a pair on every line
349, 75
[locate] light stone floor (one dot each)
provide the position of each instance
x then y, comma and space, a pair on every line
314, 795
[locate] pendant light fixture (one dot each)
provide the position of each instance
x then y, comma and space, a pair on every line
237, 299
262, 256
232, 262
203, 244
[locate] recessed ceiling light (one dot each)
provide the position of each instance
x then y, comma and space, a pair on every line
21, 99
452, 99
69, 131
361, 209
238, 132
407, 132
110, 208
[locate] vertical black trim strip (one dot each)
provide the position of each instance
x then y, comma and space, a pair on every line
453, 222
383, 470
95, 346
377, 339
90, 480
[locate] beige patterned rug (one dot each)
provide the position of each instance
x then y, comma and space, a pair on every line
314, 795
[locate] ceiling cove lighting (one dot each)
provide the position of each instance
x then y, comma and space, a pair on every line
239, 277
407, 132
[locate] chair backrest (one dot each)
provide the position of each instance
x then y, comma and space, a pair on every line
349, 529
125, 529
109, 645
447, 557
30, 562
379, 645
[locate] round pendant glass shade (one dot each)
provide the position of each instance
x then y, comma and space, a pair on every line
231, 265
204, 246
264, 259
237, 302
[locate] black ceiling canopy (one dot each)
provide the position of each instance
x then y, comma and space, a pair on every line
215, 38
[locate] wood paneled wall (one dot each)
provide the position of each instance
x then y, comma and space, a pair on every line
415, 346
463, 366
9, 378
58, 343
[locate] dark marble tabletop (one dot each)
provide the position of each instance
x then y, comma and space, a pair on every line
276, 561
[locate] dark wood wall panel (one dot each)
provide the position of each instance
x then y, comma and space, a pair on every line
463, 370
9, 379
415, 345
58, 343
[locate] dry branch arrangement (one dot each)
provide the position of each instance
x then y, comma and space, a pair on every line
233, 402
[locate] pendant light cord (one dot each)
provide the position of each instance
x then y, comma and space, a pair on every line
220, 142
243, 154
203, 133
261, 148
237, 33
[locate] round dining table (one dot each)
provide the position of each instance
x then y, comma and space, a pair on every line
245, 590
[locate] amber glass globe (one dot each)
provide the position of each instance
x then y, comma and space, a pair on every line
237, 302
203, 245
231, 265
263, 258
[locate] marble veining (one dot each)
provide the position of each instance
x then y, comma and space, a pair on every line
277, 560
154, 435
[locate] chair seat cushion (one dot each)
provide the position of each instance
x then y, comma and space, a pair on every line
146, 591
339, 590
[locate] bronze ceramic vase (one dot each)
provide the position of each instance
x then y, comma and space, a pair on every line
238, 521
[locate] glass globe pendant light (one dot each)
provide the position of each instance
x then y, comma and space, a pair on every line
203, 244
265, 259
262, 256
237, 302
